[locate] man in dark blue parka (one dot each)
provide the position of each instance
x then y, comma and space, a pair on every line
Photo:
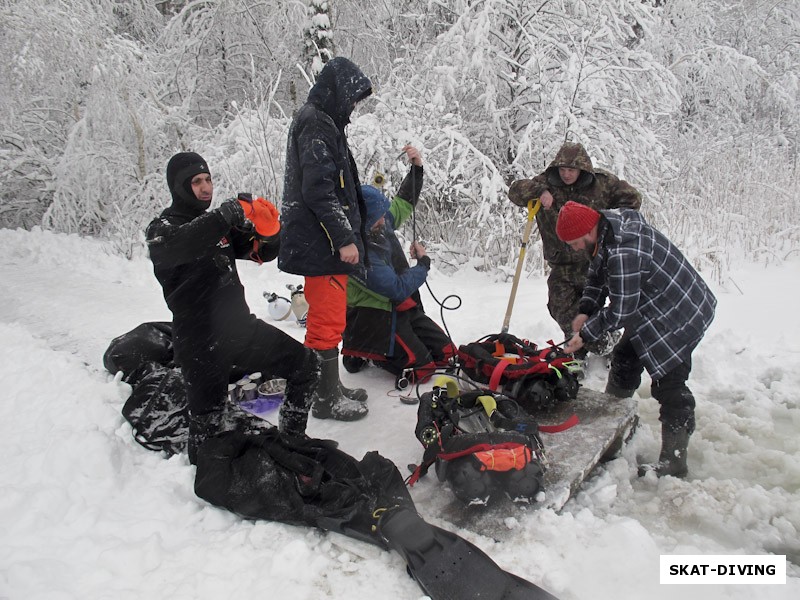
322, 217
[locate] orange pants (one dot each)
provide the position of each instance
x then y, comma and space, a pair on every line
327, 310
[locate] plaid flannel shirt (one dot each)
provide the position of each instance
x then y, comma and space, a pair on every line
653, 292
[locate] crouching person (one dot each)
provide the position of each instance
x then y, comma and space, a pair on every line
386, 322
661, 301
194, 252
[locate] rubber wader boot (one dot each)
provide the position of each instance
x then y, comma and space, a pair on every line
292, 421
329, 400
672, 460
619, 392
353, 364
219, 421
359, 394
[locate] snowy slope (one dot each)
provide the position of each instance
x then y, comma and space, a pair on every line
87, 513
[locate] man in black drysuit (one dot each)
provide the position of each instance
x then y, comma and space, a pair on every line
194, 252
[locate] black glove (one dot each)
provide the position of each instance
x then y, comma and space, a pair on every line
233, 214
268, 248
411, 186
586, 307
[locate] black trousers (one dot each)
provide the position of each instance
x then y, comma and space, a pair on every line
676, 399
418, 342
207, 364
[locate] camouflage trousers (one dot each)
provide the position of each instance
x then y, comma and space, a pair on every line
564, 290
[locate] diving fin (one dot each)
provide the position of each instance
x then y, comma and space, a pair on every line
448, 567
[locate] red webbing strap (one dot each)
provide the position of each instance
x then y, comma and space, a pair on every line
543, 354
476, 448
254, 252
497, 373
571, 422
421, 469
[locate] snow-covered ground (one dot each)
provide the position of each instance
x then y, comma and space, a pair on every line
86, 513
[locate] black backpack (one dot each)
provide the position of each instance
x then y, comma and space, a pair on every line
157, 408
481, 443
300, 481
537, 378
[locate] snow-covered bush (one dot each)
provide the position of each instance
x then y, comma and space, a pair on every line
696, 104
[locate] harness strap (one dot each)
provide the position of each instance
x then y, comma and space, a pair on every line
497, 373
421, 469
571, 422
517, 456
254, 252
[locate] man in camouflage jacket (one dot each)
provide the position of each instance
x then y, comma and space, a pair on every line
571, 176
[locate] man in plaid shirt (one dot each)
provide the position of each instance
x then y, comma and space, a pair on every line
659, 299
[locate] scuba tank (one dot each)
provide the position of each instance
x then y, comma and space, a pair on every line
279, 308
299, 304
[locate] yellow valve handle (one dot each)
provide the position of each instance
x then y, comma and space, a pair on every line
449, 383
489, 404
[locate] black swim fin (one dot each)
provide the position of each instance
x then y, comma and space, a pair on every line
448, 567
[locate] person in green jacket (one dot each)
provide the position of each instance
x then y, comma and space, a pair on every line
386, 322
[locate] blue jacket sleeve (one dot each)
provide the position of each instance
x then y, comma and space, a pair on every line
382, 279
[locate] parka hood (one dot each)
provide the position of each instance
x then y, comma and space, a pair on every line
339, 86
573, 156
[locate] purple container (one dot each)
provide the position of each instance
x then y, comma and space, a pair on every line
261, 406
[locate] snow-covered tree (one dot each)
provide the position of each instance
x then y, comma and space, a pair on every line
506, 83
734, 187
111, 169
219, 51
318, 36
695, 103
52, 51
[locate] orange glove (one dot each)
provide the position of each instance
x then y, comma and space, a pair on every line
262, 213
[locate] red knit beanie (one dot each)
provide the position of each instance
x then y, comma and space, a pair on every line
575, 220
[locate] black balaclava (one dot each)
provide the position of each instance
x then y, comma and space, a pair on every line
180, 170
